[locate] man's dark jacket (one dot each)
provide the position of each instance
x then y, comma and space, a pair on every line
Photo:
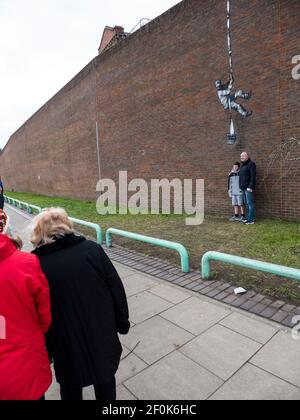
89, 309
248, 175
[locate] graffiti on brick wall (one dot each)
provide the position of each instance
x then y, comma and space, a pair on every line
287, 155
296, 69
227, 96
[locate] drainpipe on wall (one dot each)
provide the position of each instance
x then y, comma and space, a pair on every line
98, 150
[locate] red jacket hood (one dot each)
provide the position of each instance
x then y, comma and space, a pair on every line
7, 247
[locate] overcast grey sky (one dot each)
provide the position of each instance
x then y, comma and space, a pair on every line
44, 43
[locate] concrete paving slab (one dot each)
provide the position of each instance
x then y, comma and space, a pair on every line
221, 351
125, 349
170, 293
281, 357
123, 270
145, 305
157, 337
129, 367
53, 392
175, 377
123, 394
195, 315
250, 327
20, 222
252, 383
137, 283
89, 393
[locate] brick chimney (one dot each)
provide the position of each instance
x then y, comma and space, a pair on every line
110, 37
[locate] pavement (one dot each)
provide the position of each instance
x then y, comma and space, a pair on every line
186, 346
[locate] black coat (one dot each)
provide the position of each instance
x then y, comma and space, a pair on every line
1, 201
248, 175
89, 308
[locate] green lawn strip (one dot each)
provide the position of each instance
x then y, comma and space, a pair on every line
273, 241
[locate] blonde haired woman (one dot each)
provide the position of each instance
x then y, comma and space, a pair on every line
24, 319
89, 307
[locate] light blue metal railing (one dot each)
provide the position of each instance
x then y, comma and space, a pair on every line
184, 256
22, 205
30, 207
91, 225
278, 270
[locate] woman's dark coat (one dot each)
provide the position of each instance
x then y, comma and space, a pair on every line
89, 308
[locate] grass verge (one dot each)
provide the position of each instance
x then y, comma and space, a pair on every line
273, 241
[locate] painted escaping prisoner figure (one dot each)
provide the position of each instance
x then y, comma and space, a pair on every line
228, 99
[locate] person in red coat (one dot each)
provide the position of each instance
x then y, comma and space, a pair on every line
25, 317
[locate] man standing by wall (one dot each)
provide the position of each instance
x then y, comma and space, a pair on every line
247, 185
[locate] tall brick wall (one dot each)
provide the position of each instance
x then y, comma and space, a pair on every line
153, 96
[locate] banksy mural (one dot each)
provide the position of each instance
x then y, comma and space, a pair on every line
287, 156
227, 96
229, 99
